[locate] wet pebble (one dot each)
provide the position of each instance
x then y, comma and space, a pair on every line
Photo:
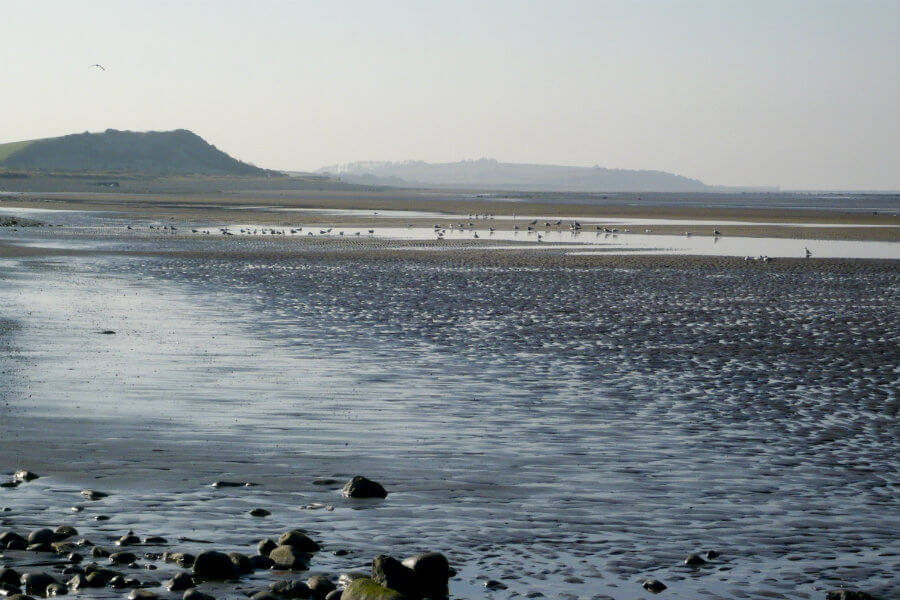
289, 588
194, 594
654, 586
94, 494
259, 512
179, 582
362, 487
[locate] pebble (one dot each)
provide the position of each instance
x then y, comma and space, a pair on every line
654, 586
181, 581
94, 494
361, 487
259, 512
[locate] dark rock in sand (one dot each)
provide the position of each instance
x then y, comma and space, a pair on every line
63, 547
299, 540
848, 595
694, 560
64, 532
75, 557
93, 494
41, 536
20, 597
101, 518
196, 595
368, 589
260, 562
360, 487
36, 582
100, 552
493, 584
710, 555
56, 589
212, 564
73, 570
155, 540
182, 581
85, 542
325, 481
10, 484
263, 595
23, 475
122, 558
182, 559
232, 484
391, 573
142, 595
10, 576
653, 586
265, 546
241, 562
259, 512
341, 552
320, 586
432, 569
344, 579
288, 588
334, 595
39, 548
289, 557
128, 539
8, 589
118, 582
10, 536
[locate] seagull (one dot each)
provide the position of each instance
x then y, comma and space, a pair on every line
716, 233
97, 65
808, 253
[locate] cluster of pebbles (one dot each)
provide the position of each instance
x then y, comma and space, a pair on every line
75, 564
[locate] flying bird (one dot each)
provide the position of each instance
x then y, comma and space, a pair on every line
97, 65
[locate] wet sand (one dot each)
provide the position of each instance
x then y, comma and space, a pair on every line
568, 425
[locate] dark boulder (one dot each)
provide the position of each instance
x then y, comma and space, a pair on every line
320, 586
289, 588
10, 577
368, 589
848, 595
211, 564
265, 546
360, 487
241, 562
391, 573
41, 536
694, 560
64, 532
181, 581
11, 537
289, 557
36, 582
196, 595
654, 586
260, 562
299, 540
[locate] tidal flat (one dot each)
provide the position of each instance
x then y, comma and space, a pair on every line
559, 430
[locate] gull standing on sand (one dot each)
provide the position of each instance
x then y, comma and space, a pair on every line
97, 65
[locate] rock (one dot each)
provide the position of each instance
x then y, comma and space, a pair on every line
20, 597
182, 559
10, 484
8, 589
711, 554
368, 589
848, 595
9, 576
182, 581
41, 536
74, 557
360, 487
240, 562
142, 595
93, 494
10, 536
653, 586
260, 562
432, 569
232, 484
122, 558
265, 546
23, 475
155, 540
289, 557
64, 532
325, 481
320, 586
391, 573
56, 589
259, 512
288, 588
128, 540
118, 582
211, 564
36, 582
334, 595
341, 552
39, 548
263, 595
299, 540
101, 518
694, 560
196, 595
493, 584
73, 570
100, 552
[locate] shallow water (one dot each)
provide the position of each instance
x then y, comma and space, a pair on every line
569, 432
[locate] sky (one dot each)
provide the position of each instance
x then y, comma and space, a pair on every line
789, 93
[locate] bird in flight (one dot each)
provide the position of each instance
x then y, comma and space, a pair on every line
97, 65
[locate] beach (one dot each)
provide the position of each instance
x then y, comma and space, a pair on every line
563, 425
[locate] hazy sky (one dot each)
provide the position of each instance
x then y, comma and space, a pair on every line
801, 94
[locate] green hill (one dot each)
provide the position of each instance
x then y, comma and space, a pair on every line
169, 152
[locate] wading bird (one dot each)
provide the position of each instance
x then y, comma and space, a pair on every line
98, 65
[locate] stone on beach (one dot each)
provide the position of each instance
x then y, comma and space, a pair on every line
848, 595
211, 564
122, 558
10, 540
194, 594
35, 582
93, 494
142, 595
694, 560
290, 557
23, 475
64, 532
391, 573
289, 588
259, 512
361, 487
41, 536
299, 540
264, 547
179, 582
654, 586
369, 589
320, 586
10, 576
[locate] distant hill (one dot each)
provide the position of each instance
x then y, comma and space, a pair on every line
164, 152
490, 174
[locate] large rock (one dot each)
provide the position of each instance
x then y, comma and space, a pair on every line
433, 572
289, 557
264, 547
122, 558
320, 586
369, 589
11, 537
181, 581
10, 577
299, 540
211, 564
391, 573
289, 588
360, 487
41, 536
196, 595
36, 582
